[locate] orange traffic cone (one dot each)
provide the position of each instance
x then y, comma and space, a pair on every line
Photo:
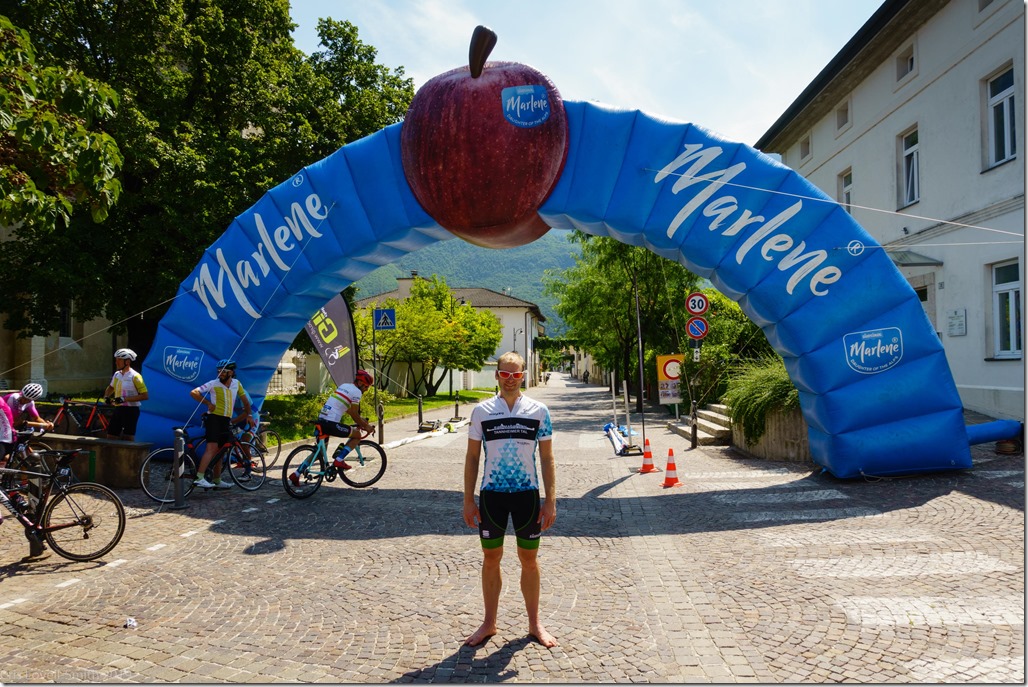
671, 476
648, 465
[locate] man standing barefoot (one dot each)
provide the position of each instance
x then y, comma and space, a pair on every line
510, 426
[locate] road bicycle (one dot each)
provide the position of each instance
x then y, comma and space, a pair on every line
266, 439
68, 420
80, 522
367, 461
243, 462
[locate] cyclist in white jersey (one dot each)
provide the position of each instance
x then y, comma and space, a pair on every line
509, 426
223, 392
345, 400
126, 391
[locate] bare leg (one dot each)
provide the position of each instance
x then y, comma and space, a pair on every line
530, 586
492, 583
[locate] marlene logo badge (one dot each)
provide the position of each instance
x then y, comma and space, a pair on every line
525, 106
182, 363
875, 350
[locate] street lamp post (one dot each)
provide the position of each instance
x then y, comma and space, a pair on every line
514, 337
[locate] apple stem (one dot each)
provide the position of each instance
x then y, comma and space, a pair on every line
483, 40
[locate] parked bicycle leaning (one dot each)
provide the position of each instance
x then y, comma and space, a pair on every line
126, 391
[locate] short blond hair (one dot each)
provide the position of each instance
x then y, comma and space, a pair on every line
511, 357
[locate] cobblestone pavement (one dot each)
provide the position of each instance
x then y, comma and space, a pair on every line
751, 571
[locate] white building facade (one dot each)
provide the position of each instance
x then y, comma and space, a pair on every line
917, 127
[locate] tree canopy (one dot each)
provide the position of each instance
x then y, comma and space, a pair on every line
596, 298
54, 152
434, 334
216, 107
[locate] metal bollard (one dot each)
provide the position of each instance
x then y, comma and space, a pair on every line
695, 440
380, 411
421, 412
176, 467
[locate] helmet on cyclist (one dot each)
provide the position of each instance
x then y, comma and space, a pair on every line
363, 377
226, 364
125, 354
32, 391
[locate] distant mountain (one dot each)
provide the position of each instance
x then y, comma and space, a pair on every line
466, 266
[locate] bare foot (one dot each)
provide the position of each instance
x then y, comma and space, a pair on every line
481, 634
540, 635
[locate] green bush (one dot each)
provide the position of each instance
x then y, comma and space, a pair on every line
756, 389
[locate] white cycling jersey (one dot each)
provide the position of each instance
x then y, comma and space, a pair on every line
509, 439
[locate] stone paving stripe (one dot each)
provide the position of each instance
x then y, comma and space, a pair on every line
924, 611
845, 536
996, 474
738, 474
965, 669
793, 497
216, 522
13, 602
820, 514
115, 564
155, 547
251, 509
275, 500
190, 533
901, 566
1019, 484
68, 583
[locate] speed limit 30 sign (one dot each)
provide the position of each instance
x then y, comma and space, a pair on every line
697, 303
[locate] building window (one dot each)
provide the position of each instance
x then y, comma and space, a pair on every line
846, 190
1002, 137
66, 321
1006, 305
805, 148
905, 63
910, 188
70, 329
842, 116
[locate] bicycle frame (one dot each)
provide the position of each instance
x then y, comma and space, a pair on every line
51, 480
321, 441
95, 415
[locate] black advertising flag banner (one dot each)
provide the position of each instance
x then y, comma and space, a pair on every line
334, 336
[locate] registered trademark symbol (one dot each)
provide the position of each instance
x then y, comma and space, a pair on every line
855, 248
297, 180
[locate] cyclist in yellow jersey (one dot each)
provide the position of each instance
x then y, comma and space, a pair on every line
125, 391
222, 393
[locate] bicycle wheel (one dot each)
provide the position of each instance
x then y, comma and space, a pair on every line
310, 463
367, 464
84, 521
246, 466
155, 475
272, 443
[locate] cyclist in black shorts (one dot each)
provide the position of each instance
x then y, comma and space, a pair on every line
509, 426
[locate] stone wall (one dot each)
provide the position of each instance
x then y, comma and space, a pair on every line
785, 438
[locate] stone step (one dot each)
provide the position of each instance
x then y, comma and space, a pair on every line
703, 437
715, 418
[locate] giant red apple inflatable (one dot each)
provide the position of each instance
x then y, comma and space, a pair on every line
484, 145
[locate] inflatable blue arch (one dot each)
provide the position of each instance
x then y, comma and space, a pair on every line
875, 388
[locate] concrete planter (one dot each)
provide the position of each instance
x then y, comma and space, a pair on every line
785, 438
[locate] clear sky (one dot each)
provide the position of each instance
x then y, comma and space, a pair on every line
732, 66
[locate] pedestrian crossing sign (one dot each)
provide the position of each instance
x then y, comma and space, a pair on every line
385, 318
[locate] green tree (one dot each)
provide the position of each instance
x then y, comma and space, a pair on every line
435, 334
596, 299
733, 339
54, 152
217, 106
